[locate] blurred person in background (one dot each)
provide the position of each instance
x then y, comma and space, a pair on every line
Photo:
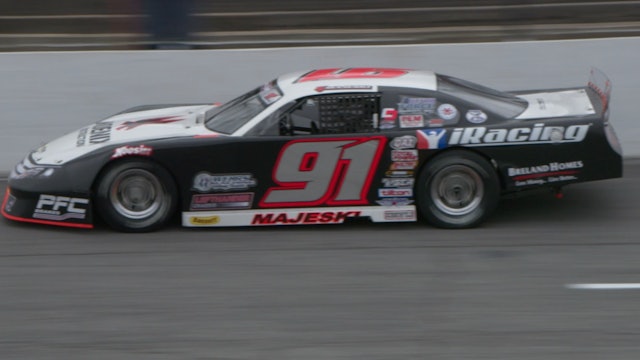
168, 23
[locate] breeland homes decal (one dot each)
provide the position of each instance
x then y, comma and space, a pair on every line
546, 173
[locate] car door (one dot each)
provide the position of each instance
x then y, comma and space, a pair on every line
329, 151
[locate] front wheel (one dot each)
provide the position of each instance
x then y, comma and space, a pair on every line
136, 196
458, 189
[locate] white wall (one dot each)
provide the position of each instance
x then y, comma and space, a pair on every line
44, 95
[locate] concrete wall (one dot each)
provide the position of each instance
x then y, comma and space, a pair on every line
44, 95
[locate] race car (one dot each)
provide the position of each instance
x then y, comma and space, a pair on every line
321, 147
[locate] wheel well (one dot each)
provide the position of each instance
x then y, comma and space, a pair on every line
116, 162
489, 159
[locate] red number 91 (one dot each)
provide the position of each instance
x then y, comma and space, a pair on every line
324, 172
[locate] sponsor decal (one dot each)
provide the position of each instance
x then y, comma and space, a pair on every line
404, 142
395, 201
447, 112
128, 125
270, 97
403, 165
432, 139
388, 116
539, 169
398, 173
303, 217
204, 220
411, 121
411, 105
351, 73
395, 192
221, 201
343, 87
436, 123
59, 208
400, 215
204, 182
269, 94
404, 155
397, 182
11, 200
538, 134
98, 133
82, 136
141, 150
542, 174
476, 116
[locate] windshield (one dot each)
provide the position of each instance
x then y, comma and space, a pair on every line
503, 104
231, 116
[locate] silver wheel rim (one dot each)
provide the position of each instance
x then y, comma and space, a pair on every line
457, 190
136, 194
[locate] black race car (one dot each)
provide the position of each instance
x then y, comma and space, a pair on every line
321, 147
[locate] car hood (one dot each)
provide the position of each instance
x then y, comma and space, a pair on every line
125, 128
552, 104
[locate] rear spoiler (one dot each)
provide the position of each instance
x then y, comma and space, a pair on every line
601, 84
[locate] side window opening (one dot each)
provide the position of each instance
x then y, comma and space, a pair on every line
333, 114
323, 114
341, 114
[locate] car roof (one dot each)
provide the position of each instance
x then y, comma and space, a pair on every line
360, 79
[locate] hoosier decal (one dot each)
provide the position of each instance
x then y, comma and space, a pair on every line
140, 150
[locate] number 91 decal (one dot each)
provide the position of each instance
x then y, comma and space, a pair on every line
333, 171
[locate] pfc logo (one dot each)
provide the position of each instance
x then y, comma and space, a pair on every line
59, 208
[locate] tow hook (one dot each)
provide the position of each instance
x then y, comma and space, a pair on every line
557, 192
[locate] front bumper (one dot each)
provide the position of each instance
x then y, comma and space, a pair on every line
49, 209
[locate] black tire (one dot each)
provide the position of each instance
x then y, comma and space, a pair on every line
136, 196
457, 189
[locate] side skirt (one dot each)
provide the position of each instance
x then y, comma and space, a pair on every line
297, 216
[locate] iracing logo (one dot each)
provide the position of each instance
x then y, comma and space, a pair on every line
432, 139
538, 134
482, 136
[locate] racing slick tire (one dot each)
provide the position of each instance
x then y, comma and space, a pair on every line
136, 196
457, 189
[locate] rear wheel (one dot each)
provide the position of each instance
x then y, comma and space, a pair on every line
458, 189
136, 196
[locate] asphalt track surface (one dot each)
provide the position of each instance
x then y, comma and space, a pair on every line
355, 291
